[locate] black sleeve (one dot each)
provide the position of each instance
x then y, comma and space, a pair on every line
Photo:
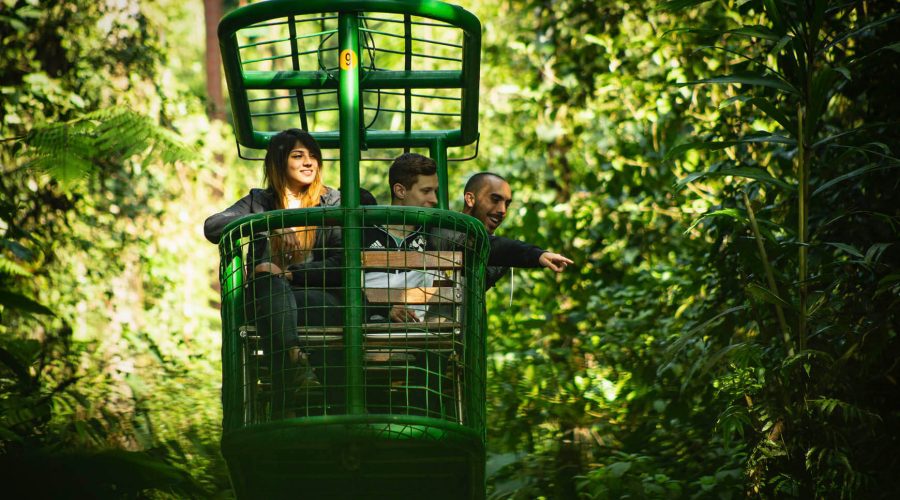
492, 275
513, 253
215, 224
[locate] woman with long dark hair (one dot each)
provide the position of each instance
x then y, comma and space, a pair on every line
293, 267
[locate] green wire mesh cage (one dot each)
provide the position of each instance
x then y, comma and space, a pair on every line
356, 370
288, 372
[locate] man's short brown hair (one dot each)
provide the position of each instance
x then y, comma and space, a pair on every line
407, 168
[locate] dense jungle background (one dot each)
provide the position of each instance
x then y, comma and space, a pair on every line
724, 173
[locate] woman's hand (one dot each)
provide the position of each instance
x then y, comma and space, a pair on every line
285, 245
268, 267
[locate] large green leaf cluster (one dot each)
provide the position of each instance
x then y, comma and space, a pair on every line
108, 346
638, 139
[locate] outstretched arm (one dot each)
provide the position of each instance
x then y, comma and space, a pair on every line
514, 253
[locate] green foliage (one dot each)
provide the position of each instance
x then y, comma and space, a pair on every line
809, 55
691, 334
70, 151
108, 345
723, 173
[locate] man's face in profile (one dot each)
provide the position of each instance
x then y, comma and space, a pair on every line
490, 203
423, 193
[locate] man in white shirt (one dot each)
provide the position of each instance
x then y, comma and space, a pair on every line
414, 183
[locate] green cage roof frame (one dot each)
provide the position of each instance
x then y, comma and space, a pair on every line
466, 79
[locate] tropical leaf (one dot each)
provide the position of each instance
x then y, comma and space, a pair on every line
748, 172
774, 113
757, 137
11, 268
863, 128
70, 151
690, 334
17, 301
807, 354
756, 31
700, 31
852, 250
726, 212
764, 294
853, 32
849, 175
745, 79
873, 254
20, 251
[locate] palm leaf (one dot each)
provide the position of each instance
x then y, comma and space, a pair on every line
755, 80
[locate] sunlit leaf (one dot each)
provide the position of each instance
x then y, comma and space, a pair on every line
10, 268
726, 212
808, 354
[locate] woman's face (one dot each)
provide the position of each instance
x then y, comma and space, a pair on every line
302, 167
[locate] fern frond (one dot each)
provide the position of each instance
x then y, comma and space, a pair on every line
849, 412
70, 151
11, 268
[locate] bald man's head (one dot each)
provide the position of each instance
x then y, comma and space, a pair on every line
487, 197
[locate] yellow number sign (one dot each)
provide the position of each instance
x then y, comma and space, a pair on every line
348, 59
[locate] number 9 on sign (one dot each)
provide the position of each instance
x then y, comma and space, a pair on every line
348, 59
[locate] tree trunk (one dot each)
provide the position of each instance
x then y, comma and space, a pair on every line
215, 106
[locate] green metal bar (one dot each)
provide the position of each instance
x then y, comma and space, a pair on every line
348, 98
288, 80
417, 23
263, 11
292, 37
423, 113
320, 110
329, 216
413, 79
374, 80
375, 139
428, 96
415, 54
407, 66
307, 20
295, 65
232, 319
309, 94
439, 155
285, 56
395, 35
281, 113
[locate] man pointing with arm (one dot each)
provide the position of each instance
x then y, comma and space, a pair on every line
487, 197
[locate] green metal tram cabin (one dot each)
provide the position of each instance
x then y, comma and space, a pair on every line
398, 410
